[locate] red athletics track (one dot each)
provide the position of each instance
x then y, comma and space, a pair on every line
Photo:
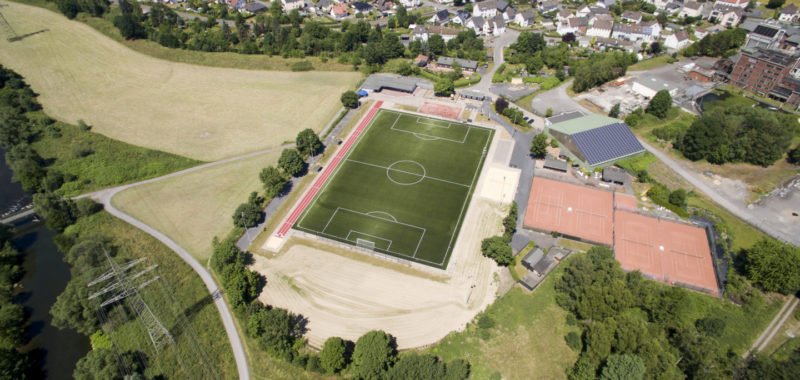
287, 225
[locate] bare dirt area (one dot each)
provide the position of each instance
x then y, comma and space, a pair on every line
199, 112
347, 295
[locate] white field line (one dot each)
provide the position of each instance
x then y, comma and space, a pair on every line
366, 234
403, 171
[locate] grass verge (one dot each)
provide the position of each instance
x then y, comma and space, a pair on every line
651, 63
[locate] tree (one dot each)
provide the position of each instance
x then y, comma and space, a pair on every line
614, 111
678, 198
273, 181
332, 357
775, 4
416, 366
73, 310
569, 37
655, 47
402, 17
794, 155
291, 162
96, 365
56, 211
274, 328
498, 250
539, 145
246, 214
307, 142
660, 104
69, 8
15, 365
444, 87
457, 369
623, 367
500, 104
375, 352
548, 112
349, 99
129, 27
436, 44
773, 265
12, 325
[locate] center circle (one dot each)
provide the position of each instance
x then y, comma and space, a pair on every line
406, 172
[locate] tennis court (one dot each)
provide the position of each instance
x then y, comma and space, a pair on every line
665, 251
572, 210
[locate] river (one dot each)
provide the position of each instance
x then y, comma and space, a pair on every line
46, 276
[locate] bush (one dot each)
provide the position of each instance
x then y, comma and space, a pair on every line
444, 87
573, 340
349, 99
87, 207
246, 214
500, 104
302, 66
498, 250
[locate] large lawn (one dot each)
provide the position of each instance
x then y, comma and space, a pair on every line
403, 188
193, 208
204, 113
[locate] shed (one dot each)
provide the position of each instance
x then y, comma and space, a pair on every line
398, 83
553, 163
614, 175
532, 258
472, 94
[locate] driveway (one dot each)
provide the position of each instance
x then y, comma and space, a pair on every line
498, 43
557, 100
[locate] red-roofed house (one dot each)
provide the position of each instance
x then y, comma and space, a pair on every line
339, 11
733, 3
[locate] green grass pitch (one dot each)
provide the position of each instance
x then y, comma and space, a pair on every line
404, 187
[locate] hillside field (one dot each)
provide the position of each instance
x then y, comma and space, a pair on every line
204, 113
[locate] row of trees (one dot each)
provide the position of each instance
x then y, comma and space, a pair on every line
531, 50
600, 68
13, 319
725, 43
496, 247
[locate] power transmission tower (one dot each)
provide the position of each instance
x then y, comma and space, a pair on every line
11, 35
126, 287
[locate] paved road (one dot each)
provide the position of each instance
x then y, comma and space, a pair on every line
558, 100
105, 196
506, 39
761, 343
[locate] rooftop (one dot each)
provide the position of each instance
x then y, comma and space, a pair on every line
564, 117
771, 56
581, 124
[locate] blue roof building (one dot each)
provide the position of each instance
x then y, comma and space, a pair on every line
596, 140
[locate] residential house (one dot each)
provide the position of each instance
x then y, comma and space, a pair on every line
601, 17
410, 3
765, 36
691, 9
509, 14
634, 32
678, 40
632, 17
613, 43
441, 17
600, 29
599, 11
700, 33
446, 33
651, 29
672, 8
726, 15
461, 17
789, 13
501, 6
444, 1
660, 4
569, 26
548, 6
479, 25
383, 6
323, 6
361, 7
733, 3
498, 25
525, 18
254, 8
564, 15
763, 71
289, 5
583, 11
339, 11
420, 33
422, 60
486, 9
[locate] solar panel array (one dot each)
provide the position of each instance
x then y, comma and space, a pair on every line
607, 143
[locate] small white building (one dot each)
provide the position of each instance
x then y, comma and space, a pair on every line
525, 18
498, 25
733, 3
678, 40
649, 87
789, 13
600, 29
486, 9
691, 9
563, 15
289, 5
410, 3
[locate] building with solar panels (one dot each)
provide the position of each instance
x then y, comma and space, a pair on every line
595, 140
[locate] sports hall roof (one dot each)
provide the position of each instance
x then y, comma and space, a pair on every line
600, 139
581, 124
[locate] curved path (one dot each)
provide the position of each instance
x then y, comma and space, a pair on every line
105, 196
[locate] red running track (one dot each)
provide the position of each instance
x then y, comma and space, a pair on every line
287, 225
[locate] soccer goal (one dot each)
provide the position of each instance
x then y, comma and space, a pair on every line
364, 243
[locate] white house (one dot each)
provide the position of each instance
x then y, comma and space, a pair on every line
649, 87
461, 18
420, 33
485, 9
509, 14
498, 25
632, 32
733, 3
789, 13
446, 33
441, 17
583, 11
651, 29
691, 9
660, 4
631, 16
479, 25
678, 40
548, 6
289, 5
564, 15
726, 15
699, 33
525, 18
600, 29
410, 3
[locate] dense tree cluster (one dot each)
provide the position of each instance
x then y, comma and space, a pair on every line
539, 145
733, 131
497, 249
773, 265
634, 328
70, 8
725, 43
349, 99
241, 285
532, 51
600, 68
13, 319
510, 221
660, 104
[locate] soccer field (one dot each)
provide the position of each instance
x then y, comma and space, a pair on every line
403, 189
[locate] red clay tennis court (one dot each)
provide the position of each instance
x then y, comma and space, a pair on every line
624, 202
440, 110
665, 251
570, 210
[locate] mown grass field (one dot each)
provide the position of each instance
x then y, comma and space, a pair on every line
178, 298
204, 113
527, 341
94, 161
193, 208
404, 187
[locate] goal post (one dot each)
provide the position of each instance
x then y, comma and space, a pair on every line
364, 243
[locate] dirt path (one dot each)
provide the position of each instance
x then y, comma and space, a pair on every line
763, 340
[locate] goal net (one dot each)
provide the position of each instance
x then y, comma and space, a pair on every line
363, 243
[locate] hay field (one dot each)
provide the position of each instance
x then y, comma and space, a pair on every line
199, 112
193, 208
